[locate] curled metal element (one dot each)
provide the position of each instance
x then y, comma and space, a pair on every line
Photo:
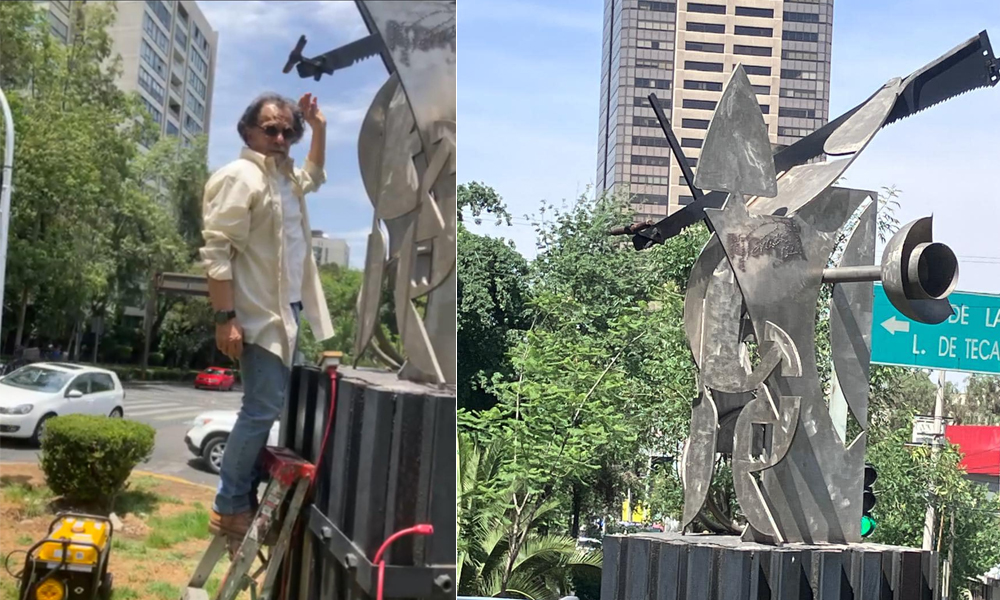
783, 343
762, 411
698, 459
861, 127
918, 274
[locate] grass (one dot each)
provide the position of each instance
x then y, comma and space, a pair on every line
25, 540
124, 593
129, 548
34, 500
163, 591
168, 531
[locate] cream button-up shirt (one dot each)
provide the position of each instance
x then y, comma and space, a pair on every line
244, 242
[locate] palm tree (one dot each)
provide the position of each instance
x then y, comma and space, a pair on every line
544, 564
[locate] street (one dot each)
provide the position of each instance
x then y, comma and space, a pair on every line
167, 407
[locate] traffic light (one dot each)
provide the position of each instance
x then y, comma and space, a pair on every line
868, 502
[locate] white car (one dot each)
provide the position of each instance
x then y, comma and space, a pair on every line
37, 392
209, 433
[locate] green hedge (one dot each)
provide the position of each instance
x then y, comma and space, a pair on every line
88, 458
134, 373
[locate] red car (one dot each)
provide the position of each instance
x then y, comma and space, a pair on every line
215, 378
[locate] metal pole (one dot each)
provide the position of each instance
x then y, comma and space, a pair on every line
8, 171
938, 436
852, 274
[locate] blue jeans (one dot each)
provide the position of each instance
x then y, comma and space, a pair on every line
265, 385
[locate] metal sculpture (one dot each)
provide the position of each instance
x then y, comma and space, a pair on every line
796, 473
406, 151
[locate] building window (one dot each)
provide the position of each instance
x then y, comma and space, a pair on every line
200, 41
659, 84
761, 90
714, 9
797, 74
195, 106
799, 55
653, 142
658, 199
153, 59
790, 93
706, 27
752, 50
766, 109
640, 121
708, 86
756, 70
650, 179
149, 84
797, 113
704, 47
656, 25
651, 45
650, 161
658, 6
685, 199
161, 11
198, 85
754, 31
691, 142
154, 32
746, 11
694, 65
172, 129
694, 123
798, 17
191, 125
58, 28
643, 63
153, 111
199, 64
180, 36
793, 131
799, 36
699, 104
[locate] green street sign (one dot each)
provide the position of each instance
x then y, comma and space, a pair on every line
968, 341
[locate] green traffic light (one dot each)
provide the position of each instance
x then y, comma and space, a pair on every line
867, 525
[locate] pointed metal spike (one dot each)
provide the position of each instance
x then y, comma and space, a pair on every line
737, 157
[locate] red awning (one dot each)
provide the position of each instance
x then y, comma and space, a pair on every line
981, 446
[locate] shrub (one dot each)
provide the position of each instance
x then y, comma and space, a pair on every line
89, 458
156, 359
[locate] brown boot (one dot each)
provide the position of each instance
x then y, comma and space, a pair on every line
234, 526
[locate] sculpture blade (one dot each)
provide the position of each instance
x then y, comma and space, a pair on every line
737, 154
966, 67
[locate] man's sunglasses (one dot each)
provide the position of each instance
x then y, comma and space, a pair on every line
272, 131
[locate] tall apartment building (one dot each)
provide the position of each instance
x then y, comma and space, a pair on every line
168, 51
685, 52
330, 250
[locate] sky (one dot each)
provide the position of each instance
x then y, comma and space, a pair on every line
255, 39
528, 78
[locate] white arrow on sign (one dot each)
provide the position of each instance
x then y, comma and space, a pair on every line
892, 325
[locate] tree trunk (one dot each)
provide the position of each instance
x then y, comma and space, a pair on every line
20, 318
574, 526
147, 322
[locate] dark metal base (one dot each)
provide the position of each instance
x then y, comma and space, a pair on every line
670, 566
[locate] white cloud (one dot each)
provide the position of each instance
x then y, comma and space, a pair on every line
248, 21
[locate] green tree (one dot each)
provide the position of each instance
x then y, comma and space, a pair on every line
981, 403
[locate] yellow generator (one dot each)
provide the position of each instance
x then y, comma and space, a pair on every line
71, 563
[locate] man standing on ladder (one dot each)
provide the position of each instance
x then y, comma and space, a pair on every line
261, 276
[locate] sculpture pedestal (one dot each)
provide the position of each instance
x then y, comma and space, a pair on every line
670, 566
388, 464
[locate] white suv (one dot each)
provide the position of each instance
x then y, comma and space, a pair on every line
209, 433
37, 392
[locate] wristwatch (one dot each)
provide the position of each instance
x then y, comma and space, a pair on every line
224, 316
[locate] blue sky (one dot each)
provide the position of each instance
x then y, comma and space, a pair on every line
254, 41
528, 82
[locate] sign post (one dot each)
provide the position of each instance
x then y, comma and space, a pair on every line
969, 341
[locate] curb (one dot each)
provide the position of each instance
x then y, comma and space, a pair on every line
170, 478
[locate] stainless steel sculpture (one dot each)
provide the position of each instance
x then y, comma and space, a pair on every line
407, 156
797, 474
